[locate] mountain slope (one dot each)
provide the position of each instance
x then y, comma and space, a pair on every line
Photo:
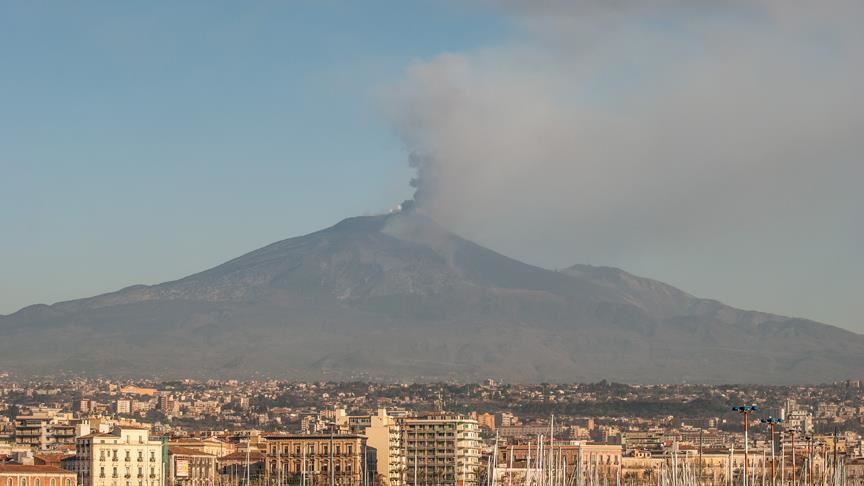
398, 297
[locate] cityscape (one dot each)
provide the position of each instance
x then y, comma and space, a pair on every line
105, 432
431, 243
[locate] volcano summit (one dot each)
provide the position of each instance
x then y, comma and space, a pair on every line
397, 297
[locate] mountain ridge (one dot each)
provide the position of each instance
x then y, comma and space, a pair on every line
398, 297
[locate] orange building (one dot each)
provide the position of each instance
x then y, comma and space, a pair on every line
30, 475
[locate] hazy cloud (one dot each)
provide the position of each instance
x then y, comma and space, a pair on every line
607, 128
673, 124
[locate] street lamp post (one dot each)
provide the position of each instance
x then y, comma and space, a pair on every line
792, 437
771, 421
746, 410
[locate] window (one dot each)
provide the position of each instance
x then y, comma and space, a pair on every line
52, 481
38, 482
68, 482
23, 481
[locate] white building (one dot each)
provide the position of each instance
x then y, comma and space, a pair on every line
124, 457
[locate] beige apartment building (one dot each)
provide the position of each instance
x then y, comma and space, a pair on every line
124, 457
383, 434
441, 449
44, 428
316, 459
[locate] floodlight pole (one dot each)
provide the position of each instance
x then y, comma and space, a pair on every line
771, 421
745, 410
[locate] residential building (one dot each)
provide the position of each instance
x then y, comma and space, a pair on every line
486, 420
441, 449
124, 457
123, 406
44, 428
209, 445
189, 467
236, 466
383, 434
32, 475
318, 459
604, 459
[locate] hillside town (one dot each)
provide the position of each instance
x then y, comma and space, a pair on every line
106, 432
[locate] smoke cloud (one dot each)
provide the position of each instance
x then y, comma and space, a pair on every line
605, 130
638, 128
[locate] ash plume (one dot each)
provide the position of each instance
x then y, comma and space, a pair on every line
618, 131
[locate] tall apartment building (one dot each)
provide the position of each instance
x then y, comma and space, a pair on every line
441, 449
44, 428
124, 457
123, 406
383, 433
317, 459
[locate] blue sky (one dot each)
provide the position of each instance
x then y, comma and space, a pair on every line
144, 141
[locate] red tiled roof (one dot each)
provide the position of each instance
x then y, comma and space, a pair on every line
185, 451
25, 469
241, 456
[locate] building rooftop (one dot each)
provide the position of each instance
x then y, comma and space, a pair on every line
32, 469
313, 436
185, 451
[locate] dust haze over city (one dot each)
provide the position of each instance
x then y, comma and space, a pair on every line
548, 243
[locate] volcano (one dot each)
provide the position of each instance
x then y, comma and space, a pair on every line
397, 297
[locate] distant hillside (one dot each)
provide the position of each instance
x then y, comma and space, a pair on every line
398, 297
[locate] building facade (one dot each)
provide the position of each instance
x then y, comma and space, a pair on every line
189, 467
441, 449
318, 459
124, 457
383, 433
31, 475
44, 428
